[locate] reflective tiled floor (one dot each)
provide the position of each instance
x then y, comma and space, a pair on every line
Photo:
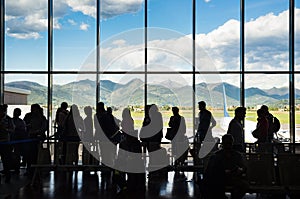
58, 185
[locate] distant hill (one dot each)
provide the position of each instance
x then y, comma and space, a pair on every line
83, 92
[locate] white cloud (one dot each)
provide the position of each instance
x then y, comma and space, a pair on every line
84, 26
266, 38
26, 18
32, 35
266, 43
206, 1
120, 42
266, 49
112, 8
87, 7
72, 22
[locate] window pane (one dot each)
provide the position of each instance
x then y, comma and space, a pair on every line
297, 35
74, 34
219, 92
262, 89
169, 35
73, 89
22, 90
120, 16
122, 35
218, 34
297, 107
122, 91
26, 25
167, 91
266, 35
123, 52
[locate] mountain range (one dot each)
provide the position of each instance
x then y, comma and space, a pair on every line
83, 92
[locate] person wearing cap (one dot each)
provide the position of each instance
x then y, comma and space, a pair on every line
236, 129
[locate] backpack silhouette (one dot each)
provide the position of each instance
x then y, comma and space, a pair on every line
276, 125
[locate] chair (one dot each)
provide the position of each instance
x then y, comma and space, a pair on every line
289, 172
261, 173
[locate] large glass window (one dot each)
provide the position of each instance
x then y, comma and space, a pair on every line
169, 57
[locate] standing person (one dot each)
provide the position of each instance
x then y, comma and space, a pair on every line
151, 134
129, 156
88, 136
204, 131
60, 117
74, 126
19, 134
206, 123
6, 129
274, 123
179, 140
105, 130
99, 125
36, 126
152, 130
110, 112
236, 129
262, 127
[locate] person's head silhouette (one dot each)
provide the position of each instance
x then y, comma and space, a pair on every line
227, 141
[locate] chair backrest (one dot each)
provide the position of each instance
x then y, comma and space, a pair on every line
260, 169
289, 169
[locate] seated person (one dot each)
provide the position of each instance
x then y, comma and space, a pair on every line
225, 168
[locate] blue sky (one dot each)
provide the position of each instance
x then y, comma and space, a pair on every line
217, 26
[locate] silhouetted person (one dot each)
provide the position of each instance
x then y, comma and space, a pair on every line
36, 126
236, 129
204, 131
110, 112
225, 167
106, 121
151, 132
206, 123
88, 136
19, 134
6, 128
60, 117
272, 128
262, 126
151, 135
130, 156
106, 128
179, 140
73, 127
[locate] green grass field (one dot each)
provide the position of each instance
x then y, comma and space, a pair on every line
251, 115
